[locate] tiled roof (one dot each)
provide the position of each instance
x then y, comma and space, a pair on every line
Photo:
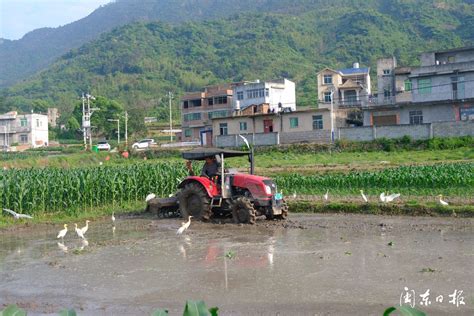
350, 71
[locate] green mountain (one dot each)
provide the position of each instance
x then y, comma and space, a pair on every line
40, 48
138, 63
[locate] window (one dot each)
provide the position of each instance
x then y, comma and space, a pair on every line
267, 92
451, 59
416, 117
220, 100
293, 122
192, 117
240, 95
327, 79
38, 123
243, 126
387, 92
223, 129
424, 86
185, 104
256, 93
215, 114
327, 96
188, 132
317, 122
23, 122
210, 101
195, 103
386, 71
457, 84
23, 139
407, 85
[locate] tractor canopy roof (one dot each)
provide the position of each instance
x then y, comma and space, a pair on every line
203, 153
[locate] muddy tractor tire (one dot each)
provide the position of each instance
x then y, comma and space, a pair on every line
194, 201
284, 212
243, 211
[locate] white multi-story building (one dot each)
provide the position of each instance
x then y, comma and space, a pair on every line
280, 95
23, 129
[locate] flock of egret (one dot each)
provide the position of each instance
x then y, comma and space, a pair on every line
185, 225
383, 197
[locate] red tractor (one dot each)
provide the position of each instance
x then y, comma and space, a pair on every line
244, 196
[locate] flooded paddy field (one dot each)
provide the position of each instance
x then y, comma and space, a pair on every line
309, 265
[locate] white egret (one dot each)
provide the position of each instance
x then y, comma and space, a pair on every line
184, 226
79, 232
294, 195
113, 217
444, 203
391, 197
17, 215
382, 197
363, 196
62, 247
326, 196
85, 228
62, 232
150, 197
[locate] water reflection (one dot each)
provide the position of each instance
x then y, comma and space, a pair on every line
84, 244
62, 247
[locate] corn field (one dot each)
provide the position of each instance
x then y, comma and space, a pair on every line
69, 190
416, 180
52, 190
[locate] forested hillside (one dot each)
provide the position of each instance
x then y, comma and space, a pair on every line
39, 48
138, 63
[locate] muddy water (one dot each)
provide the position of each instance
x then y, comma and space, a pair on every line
313, 265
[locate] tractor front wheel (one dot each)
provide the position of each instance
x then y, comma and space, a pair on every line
284, 212
194, 201
243, 211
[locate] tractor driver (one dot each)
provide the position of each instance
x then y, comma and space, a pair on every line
209, 170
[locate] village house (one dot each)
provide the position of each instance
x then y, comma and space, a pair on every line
25, 130
199, 108
441, 89
261, 127
280, 95
349, 87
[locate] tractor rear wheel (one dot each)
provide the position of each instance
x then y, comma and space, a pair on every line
284, 211
194, 201
243, 211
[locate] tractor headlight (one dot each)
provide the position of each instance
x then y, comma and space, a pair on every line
268, 190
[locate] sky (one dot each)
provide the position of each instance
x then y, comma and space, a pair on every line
18, 17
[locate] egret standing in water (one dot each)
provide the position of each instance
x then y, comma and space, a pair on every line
62, 232
79, 232
113, 218
184, 226
326, 196
363, 196
85, 228
444, 203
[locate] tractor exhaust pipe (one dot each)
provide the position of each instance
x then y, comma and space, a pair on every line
251, 160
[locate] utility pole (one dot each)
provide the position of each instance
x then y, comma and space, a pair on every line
332, 116
84, 127
90, 126
171, 118
126, 129
86, 118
